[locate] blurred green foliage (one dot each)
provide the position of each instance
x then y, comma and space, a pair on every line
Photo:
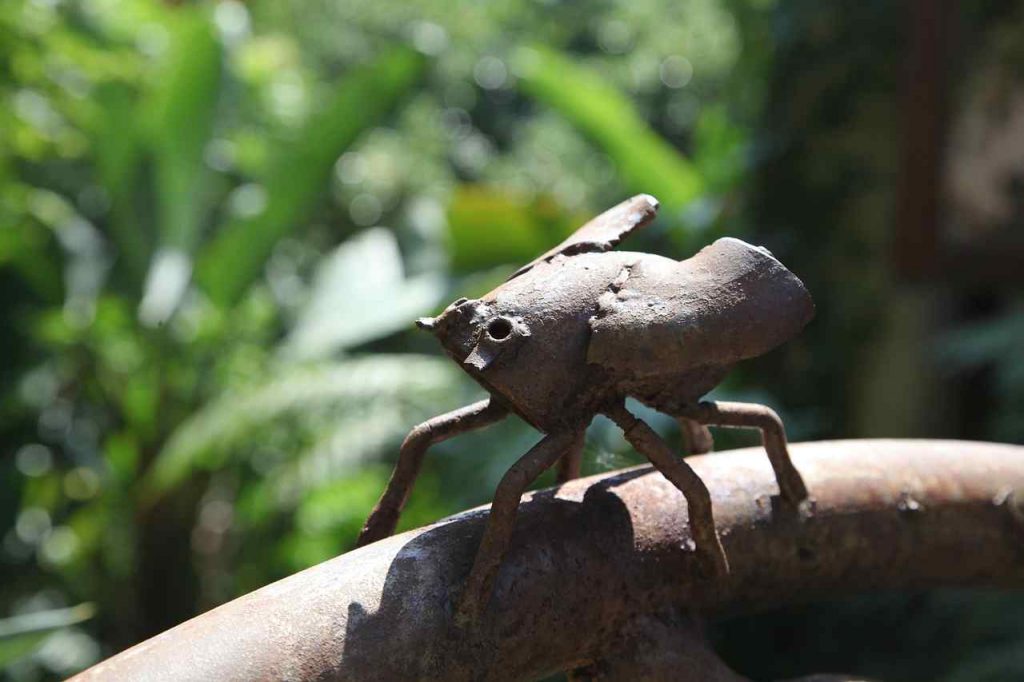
217, 220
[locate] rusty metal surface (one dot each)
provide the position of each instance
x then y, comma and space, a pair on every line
591, 556
729, 302
669, 647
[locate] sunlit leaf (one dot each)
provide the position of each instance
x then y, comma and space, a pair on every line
166, 283
360, 293
180, 121
329, 518
21, 635
300, 170
645, 161
205, 439
358, 436
487, 227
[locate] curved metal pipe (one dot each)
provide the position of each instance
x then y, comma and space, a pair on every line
595, 554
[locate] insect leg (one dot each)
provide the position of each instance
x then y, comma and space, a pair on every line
501, 521
698, 499
382, 520
569, 464
773, 435
696, 438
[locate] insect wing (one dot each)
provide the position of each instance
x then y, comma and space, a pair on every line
605, 231
729, 302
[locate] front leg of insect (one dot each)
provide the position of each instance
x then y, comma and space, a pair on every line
502, 518
384, 517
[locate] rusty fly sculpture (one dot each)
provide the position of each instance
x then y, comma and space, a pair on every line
574, 333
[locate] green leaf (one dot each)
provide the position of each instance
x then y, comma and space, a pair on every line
21, 635
180, 123
32, 251
329, 518
488, 228
204, 440
300, 170
645, 161
119, 153
718, 149
356, 438
360, 294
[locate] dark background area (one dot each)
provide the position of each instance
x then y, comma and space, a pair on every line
217, 221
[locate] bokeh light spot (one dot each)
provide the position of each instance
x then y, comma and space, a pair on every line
60, 546
33, 525
614, 37
365, 209
676, 71
34, 459
248, 200
490, 73
429, 38
81, 483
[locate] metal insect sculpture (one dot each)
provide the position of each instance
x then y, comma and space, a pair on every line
574, 333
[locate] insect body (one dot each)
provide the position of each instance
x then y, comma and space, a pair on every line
577, 331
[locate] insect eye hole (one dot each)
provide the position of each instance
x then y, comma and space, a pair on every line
500, 328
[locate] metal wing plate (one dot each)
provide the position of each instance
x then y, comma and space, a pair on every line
729, 302
605, 231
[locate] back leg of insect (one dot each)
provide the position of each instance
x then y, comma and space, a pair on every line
773, 435
698, 499
384, 517
569, 464
502, 519
696, 438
